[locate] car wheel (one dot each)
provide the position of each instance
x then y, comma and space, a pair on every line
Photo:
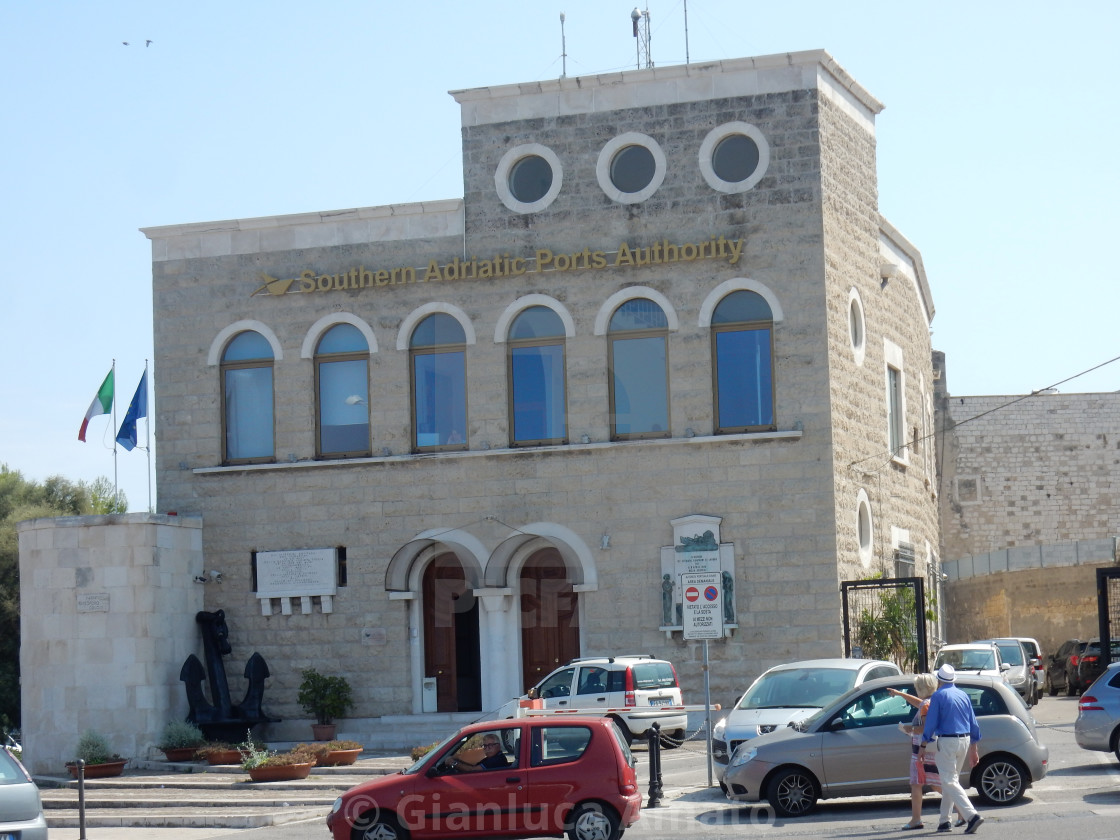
1000, 780
592, 821
376, 826
1050, 686
672, 740
1071, 689
792, 792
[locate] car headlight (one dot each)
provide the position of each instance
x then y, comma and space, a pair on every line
719, 728
337, 806
743, 755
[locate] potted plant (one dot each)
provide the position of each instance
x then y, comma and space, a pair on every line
180, 740
219, 752
100, 761
332, 753
264, 766
324, 698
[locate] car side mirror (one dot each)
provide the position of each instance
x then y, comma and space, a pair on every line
1003, 666
835, 724
533, 693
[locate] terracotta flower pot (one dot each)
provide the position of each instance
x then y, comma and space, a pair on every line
281, 773
179, 753
99, 771
223, 757
324, 731
339, 758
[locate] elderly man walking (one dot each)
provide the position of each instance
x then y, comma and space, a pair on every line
951, 729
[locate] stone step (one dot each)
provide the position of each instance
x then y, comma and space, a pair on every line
242, 817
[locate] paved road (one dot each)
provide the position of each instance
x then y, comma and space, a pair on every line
1080, 797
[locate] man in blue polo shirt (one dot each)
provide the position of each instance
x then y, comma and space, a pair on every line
951, 729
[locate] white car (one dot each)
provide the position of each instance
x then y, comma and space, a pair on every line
1034, 651
973, 658
629, 689
787, 694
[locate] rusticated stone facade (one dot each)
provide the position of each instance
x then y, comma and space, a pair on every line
806, 236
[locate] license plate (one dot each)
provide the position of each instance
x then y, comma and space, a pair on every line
653, 701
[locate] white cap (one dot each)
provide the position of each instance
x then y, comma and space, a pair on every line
947, 673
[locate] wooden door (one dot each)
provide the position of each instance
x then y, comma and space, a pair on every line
444, 585
549, 616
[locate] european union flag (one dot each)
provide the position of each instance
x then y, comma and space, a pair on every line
138, 408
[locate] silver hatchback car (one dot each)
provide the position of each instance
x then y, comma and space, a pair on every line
1098, 713
853, 747
21, 809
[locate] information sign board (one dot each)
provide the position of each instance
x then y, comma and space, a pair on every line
703, 605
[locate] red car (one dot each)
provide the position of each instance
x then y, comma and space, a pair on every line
527, 777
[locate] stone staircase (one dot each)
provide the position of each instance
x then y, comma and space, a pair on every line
197, 795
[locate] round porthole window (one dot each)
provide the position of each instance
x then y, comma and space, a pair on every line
734, 157
528, 178
857, 331
630, 168
863, 529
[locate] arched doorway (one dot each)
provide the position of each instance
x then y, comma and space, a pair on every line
549, 616
451, 643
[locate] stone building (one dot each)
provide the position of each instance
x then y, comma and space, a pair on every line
441, 447
1028, 510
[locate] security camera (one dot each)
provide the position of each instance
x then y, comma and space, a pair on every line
215, 576
200, 579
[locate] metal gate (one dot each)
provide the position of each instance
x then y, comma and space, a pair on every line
886, 619
1108, 611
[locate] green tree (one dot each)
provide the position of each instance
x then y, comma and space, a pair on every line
21, 499
887, 629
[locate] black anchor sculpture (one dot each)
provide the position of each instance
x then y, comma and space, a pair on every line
219, 718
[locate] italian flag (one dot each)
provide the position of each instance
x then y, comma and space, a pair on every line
102, 404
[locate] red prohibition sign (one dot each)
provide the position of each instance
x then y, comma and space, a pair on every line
692, 593
710, 594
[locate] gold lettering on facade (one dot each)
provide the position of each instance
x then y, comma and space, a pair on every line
543, 260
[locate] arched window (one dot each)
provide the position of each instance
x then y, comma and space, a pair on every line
638, 370
342, 392
537, 408
247, 409
742, 363
438, 355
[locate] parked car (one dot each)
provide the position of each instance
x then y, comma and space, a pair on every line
1038, 661
788, 693
1092, 663
21, 809
1098, 713
978, 658
561, 774
1018, 672
1061, 675
619, 683
852, 747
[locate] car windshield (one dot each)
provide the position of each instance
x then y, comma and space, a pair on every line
1012, 654
978, 659
798, 688
415, 768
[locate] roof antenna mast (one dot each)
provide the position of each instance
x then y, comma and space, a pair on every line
563, 49
640, 20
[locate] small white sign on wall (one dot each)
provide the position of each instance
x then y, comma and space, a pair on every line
93, 602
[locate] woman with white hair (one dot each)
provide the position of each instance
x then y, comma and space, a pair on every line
923, 771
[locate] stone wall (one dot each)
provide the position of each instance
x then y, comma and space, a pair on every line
106, 620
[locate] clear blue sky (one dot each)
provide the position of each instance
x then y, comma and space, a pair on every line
997, 158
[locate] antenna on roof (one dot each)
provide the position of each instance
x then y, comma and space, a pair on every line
563, 49
640, 20
686, 32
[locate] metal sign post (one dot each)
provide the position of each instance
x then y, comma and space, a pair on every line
702, 617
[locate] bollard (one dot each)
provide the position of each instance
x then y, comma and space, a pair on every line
655, 791
81, 799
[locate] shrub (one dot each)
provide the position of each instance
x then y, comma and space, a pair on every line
420, 752
93, 748
178, 735
324, 698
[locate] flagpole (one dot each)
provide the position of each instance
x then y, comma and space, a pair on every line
116, 492
148, 437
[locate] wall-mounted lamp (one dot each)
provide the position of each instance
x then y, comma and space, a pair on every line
887, 272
